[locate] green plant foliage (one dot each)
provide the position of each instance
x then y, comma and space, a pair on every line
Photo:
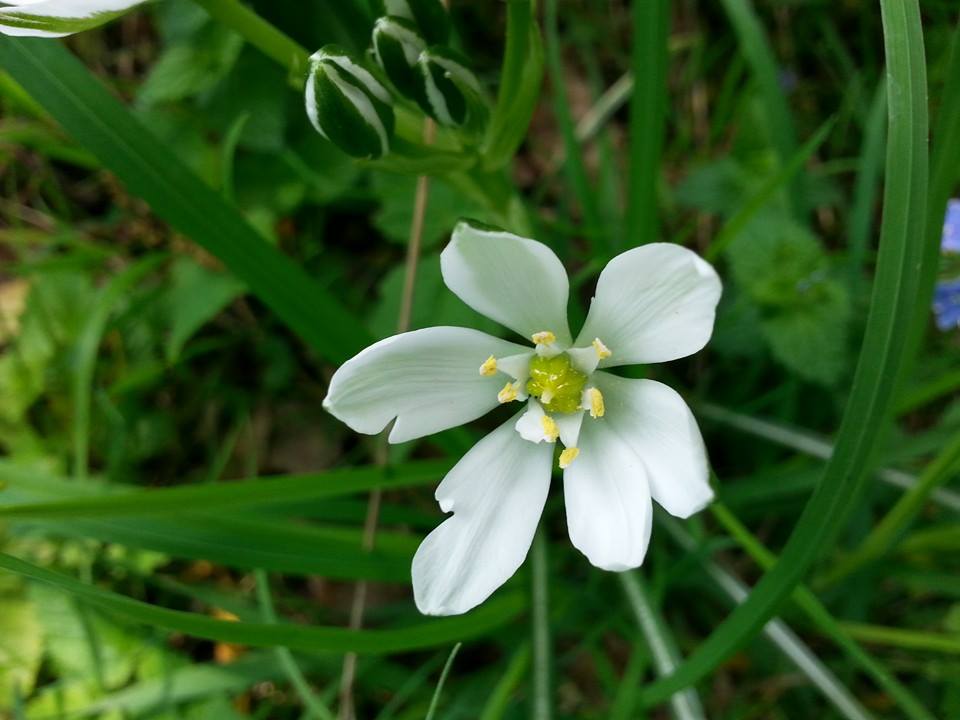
185, 262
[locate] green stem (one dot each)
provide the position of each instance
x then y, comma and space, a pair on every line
258, 32
435, 700
540, 612
313, 704
684, 703
904, 639
648, 112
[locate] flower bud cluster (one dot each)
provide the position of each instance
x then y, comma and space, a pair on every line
353, 109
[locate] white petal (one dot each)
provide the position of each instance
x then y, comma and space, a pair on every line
518, 282
609, 513
658, 426
56, 18
496, 492
654, 303
569, 426
427, 379
530, 423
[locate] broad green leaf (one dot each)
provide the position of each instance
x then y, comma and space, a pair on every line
196, 295
90, 113
424, 634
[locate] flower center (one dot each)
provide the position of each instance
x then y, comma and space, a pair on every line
557, 383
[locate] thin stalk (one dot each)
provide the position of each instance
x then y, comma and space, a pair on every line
313, 704
258, 32
685, 704
435, 700
905, 639
884, 534
414, 245
648, 113
542, 708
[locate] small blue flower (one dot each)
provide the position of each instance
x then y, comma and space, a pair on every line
946, 304
950, 243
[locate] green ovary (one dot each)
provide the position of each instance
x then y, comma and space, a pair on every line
556, 379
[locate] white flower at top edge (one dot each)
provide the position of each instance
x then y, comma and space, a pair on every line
56, 18
626, 442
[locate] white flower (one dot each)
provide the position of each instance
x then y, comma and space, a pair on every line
626, 441
56, 18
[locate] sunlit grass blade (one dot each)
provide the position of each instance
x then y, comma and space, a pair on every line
491, 615
684, 704
648, 113
261, 492
86, 110
905, 639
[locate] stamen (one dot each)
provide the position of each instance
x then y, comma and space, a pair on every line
550, 428
568, 456
508, 394
489, 366
546, 397
594, 402
544, 337
603, 352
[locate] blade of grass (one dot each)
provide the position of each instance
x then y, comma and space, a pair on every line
766, 192
904, 639
684, 704
498, 701
648, 114
258, 492
779, 633
866, 187
815, 610
625, 704
85, 354
884, 534
573, 156
86, 110
808, 443
542, 705
432, 633
766, 72
435, 700
285, 659
520, 79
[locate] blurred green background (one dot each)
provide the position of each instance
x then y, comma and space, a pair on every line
130, 359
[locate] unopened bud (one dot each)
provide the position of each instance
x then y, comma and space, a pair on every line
348, 105
428, 16
453, 92
397, 46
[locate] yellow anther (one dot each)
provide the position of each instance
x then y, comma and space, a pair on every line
595, 398
603, 352
568, 456
508, 394
489, 366
550, 428
544, 337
